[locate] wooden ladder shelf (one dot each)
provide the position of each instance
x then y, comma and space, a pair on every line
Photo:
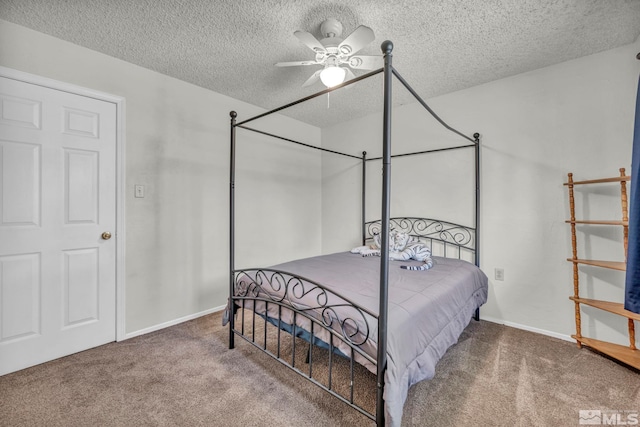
629, 355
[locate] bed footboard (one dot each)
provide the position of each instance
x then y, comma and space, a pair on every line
320, 324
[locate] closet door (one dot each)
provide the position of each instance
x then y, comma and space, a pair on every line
57, 223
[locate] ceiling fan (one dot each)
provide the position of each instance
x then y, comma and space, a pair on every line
335, 54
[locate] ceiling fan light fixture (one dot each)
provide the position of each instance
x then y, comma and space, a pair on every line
334, 53
332, 76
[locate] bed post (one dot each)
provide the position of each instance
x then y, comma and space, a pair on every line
476, 137
232, 174
364, 188
387, 47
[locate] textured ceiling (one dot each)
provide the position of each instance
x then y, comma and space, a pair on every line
230, 46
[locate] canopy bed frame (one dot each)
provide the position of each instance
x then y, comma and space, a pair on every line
321, 315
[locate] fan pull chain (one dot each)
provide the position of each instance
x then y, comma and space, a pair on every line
328, 100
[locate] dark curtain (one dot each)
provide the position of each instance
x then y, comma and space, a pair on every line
632, 285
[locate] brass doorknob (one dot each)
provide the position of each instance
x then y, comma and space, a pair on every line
106, 235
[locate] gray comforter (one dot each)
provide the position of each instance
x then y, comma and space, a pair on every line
428, 311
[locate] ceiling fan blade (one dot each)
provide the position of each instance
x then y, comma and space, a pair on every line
295, 63
366, 62
360, 37
313, 79
309, 40
349, 75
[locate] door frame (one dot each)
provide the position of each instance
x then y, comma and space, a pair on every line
119, 102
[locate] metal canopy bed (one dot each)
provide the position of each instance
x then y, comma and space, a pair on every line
319, 314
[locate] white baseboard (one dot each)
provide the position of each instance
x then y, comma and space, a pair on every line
222, 307
527, 328
172, 322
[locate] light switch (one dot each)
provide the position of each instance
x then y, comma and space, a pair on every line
139, 191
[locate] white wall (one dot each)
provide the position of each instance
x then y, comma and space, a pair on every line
177, 145
576, 116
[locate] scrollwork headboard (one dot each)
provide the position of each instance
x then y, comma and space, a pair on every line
444, 238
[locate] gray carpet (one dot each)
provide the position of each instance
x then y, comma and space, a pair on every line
186, 376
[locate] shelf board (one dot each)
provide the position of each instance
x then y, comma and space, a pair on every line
611, 307
614, 265
598, 222
619, 352
602, 180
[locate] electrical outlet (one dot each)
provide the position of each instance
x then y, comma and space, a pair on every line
139, 191
499, 274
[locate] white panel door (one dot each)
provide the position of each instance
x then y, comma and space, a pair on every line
57, 198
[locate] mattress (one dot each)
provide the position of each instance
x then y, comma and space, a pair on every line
427, 312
